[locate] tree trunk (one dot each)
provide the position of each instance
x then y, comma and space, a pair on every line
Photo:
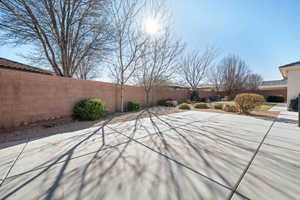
122, 97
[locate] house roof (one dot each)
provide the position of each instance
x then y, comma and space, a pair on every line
274, 84
9, 64
284, 69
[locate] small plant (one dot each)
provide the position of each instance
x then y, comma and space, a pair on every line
248, 101
275, 99
89, 109
230, 108
218, 106
133, 106
201, 105
184, 106
294, 105
163, 102
171, 103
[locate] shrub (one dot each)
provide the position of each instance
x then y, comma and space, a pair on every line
294, 105
201, 105
214, 98
218, 106
171, 103
248, 101
162, 102
275, 99
184, 106
133, 106
195, 96
202, 99
89, 109
230, 108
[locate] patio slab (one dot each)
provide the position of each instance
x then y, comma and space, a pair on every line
115, 173
58, 148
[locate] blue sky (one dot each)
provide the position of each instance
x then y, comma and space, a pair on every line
265, 33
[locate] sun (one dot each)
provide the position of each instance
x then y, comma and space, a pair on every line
152, 26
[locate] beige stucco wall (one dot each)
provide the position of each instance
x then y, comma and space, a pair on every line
293, 84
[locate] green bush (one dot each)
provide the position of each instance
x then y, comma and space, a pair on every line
294, 105
133, 106
184, 106
201, 105
218, 106
89, 109
163, 102
275, 99
248, 101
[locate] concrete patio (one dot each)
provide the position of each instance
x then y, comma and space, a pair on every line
188, 155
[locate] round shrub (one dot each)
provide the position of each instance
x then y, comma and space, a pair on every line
230, 108
184, 106
133, 106
171, 103
248, 101
89, 109
162, 102
218, 106
275, 99
201, 105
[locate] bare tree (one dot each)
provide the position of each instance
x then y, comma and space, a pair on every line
195, 66
231, 74
160, 62
129, 42
88, 69
215, 76
66, 32
254, 81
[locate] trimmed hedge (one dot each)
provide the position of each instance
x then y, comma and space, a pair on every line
248, 101
275, 99
201, 105
133, 106
89, 109
184, 106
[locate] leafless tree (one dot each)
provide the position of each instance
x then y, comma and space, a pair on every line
254, 81
129, 42
160, 62
215, 77
66, 32
88, 69
231, 74
195, 66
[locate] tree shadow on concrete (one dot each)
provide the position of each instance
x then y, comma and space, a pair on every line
160, 157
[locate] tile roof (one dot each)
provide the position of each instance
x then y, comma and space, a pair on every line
9, 64
274, 83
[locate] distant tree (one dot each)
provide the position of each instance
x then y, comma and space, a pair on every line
254, 81
64, 32
87, 69
159, 64
231, 75
195, 66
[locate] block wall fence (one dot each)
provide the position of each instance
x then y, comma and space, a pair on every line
28, 97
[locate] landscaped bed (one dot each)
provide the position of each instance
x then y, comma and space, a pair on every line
260, 111
69, 125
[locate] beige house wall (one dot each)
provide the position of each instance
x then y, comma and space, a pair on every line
293, 84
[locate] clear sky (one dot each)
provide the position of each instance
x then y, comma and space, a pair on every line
265, 33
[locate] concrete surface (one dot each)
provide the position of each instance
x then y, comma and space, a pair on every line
189, 155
